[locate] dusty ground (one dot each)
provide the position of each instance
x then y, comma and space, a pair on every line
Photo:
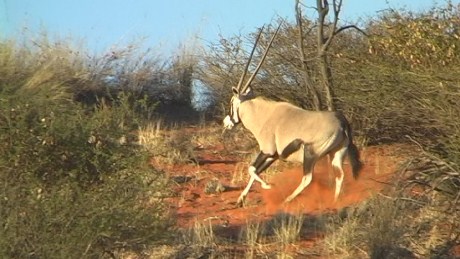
206, 189
194, 202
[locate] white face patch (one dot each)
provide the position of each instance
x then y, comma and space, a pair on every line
228, 124
235, 103
232, 119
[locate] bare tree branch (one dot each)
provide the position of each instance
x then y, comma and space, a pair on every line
323, 45
350, 27
337, 5
322, 9
305, 69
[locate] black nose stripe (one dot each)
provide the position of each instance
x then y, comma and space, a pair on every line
232, 112
231, 108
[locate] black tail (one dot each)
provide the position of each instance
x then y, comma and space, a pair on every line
356, 164
353, 152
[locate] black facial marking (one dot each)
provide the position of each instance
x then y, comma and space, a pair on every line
232, 112
231, 109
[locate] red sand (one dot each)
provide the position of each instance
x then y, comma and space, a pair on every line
192, 204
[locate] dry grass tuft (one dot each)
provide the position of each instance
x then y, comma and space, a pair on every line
166, 146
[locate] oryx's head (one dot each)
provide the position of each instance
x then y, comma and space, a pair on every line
242, 93
233, 116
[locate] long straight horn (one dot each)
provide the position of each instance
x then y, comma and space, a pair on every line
261, 61
249, 60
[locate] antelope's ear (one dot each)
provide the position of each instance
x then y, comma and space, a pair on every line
248, 90
235, 91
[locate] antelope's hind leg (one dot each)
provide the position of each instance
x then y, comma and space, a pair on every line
337, 163
309, 160
262, 162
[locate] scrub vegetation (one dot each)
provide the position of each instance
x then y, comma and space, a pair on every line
82, 137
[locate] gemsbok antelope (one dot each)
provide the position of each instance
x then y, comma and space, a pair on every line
287, 132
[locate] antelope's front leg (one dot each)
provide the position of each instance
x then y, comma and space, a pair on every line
258, 166
253, 173
245, 192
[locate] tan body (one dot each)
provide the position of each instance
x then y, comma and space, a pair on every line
288, 132
276, 124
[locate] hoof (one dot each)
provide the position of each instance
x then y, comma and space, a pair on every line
288, 200
240, 202
266, 186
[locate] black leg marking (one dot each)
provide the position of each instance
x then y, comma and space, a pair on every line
308, 159
266, 164
291, 148
263, 161
260, 159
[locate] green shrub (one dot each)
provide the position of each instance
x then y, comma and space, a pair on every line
66, 221
70, 185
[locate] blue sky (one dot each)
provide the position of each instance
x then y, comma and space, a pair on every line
165, 24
